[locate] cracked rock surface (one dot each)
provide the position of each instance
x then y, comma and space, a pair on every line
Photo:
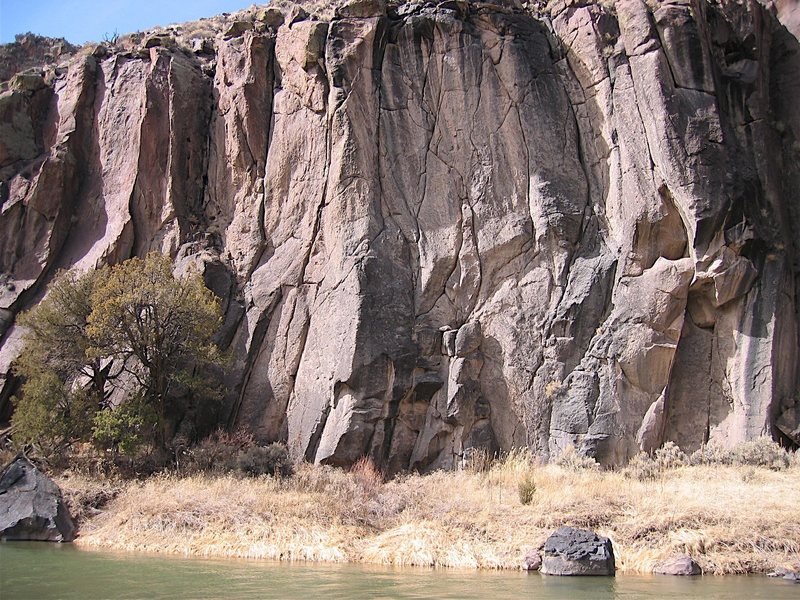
443, 226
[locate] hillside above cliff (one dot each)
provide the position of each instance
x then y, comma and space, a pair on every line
31, 51
443, 226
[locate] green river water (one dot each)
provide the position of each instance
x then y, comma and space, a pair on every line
41, 571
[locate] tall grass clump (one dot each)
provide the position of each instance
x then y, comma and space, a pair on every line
476, 460
526, 489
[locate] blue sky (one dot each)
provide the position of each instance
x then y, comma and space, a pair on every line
89, 20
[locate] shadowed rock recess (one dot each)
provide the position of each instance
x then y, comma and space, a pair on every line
444, 226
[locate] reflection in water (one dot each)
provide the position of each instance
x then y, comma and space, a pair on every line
40, 571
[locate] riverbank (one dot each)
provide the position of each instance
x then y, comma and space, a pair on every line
731, 519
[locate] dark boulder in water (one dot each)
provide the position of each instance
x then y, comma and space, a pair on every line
570, 551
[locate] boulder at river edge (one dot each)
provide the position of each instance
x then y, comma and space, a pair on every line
570, 551
531, 562
31, 506
786, 574
682, 564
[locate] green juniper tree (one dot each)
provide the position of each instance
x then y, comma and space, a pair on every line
133, 332
63, 386
153, 325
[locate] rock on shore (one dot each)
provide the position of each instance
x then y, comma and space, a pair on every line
570, 551
678, 565
31, 506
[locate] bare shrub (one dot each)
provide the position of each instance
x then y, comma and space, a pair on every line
574, 461
226, 452
711, 454
642, 467
366, 475
264, 460
762, 452
86, 496
670, 456
111, 39
326, 480
217, 453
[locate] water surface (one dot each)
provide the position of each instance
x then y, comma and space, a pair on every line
42, 571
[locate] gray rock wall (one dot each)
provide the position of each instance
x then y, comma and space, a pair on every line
447, 226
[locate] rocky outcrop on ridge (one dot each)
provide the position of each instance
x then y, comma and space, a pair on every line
30, 51
439, 226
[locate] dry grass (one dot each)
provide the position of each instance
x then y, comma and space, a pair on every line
731, 519
86, 496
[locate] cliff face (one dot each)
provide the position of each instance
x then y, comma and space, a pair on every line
450, 226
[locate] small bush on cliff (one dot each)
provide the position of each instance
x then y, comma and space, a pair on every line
133, 332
